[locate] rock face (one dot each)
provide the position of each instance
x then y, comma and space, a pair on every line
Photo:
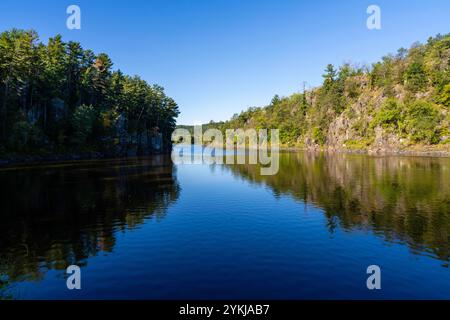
136, 144
350, 130
339, 132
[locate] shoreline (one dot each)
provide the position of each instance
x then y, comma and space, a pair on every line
373, 153
419, 152
37, 160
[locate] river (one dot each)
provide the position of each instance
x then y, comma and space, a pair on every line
145, 228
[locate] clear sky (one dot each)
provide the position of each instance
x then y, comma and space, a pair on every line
218, 57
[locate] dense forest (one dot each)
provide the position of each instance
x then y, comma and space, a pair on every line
59, 98
399, 103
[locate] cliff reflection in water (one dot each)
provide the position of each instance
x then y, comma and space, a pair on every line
59, 215
403, 199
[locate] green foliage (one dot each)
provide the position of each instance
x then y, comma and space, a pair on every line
386, 74
353, 87
275, 100
445, 96
422, 121
329, 76
390, 115
318, 135
359, 144
415, 77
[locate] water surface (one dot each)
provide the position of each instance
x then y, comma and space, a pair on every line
148, 229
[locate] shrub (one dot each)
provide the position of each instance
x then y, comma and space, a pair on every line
415, 77
353, 87
318, 135
422, 121
445, 96
359, 144
390, 115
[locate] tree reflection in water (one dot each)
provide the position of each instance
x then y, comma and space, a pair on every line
404, 199
62, 214
57, 215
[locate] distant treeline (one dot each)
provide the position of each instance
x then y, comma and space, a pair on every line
58, 97
402, 101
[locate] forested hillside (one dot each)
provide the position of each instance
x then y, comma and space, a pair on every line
60, 98
399, 103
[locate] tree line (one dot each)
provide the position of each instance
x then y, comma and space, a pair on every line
402, 100
58, 97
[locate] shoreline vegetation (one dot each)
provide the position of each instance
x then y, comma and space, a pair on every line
400, 105
60, 101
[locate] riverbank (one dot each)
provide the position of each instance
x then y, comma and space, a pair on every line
37, 159
18, 160
423, 151
412, 151
428, 151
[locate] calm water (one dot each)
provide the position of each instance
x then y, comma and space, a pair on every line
148, 229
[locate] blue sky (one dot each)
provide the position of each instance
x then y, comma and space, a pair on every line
218, 57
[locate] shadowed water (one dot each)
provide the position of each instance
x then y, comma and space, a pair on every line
149, 229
